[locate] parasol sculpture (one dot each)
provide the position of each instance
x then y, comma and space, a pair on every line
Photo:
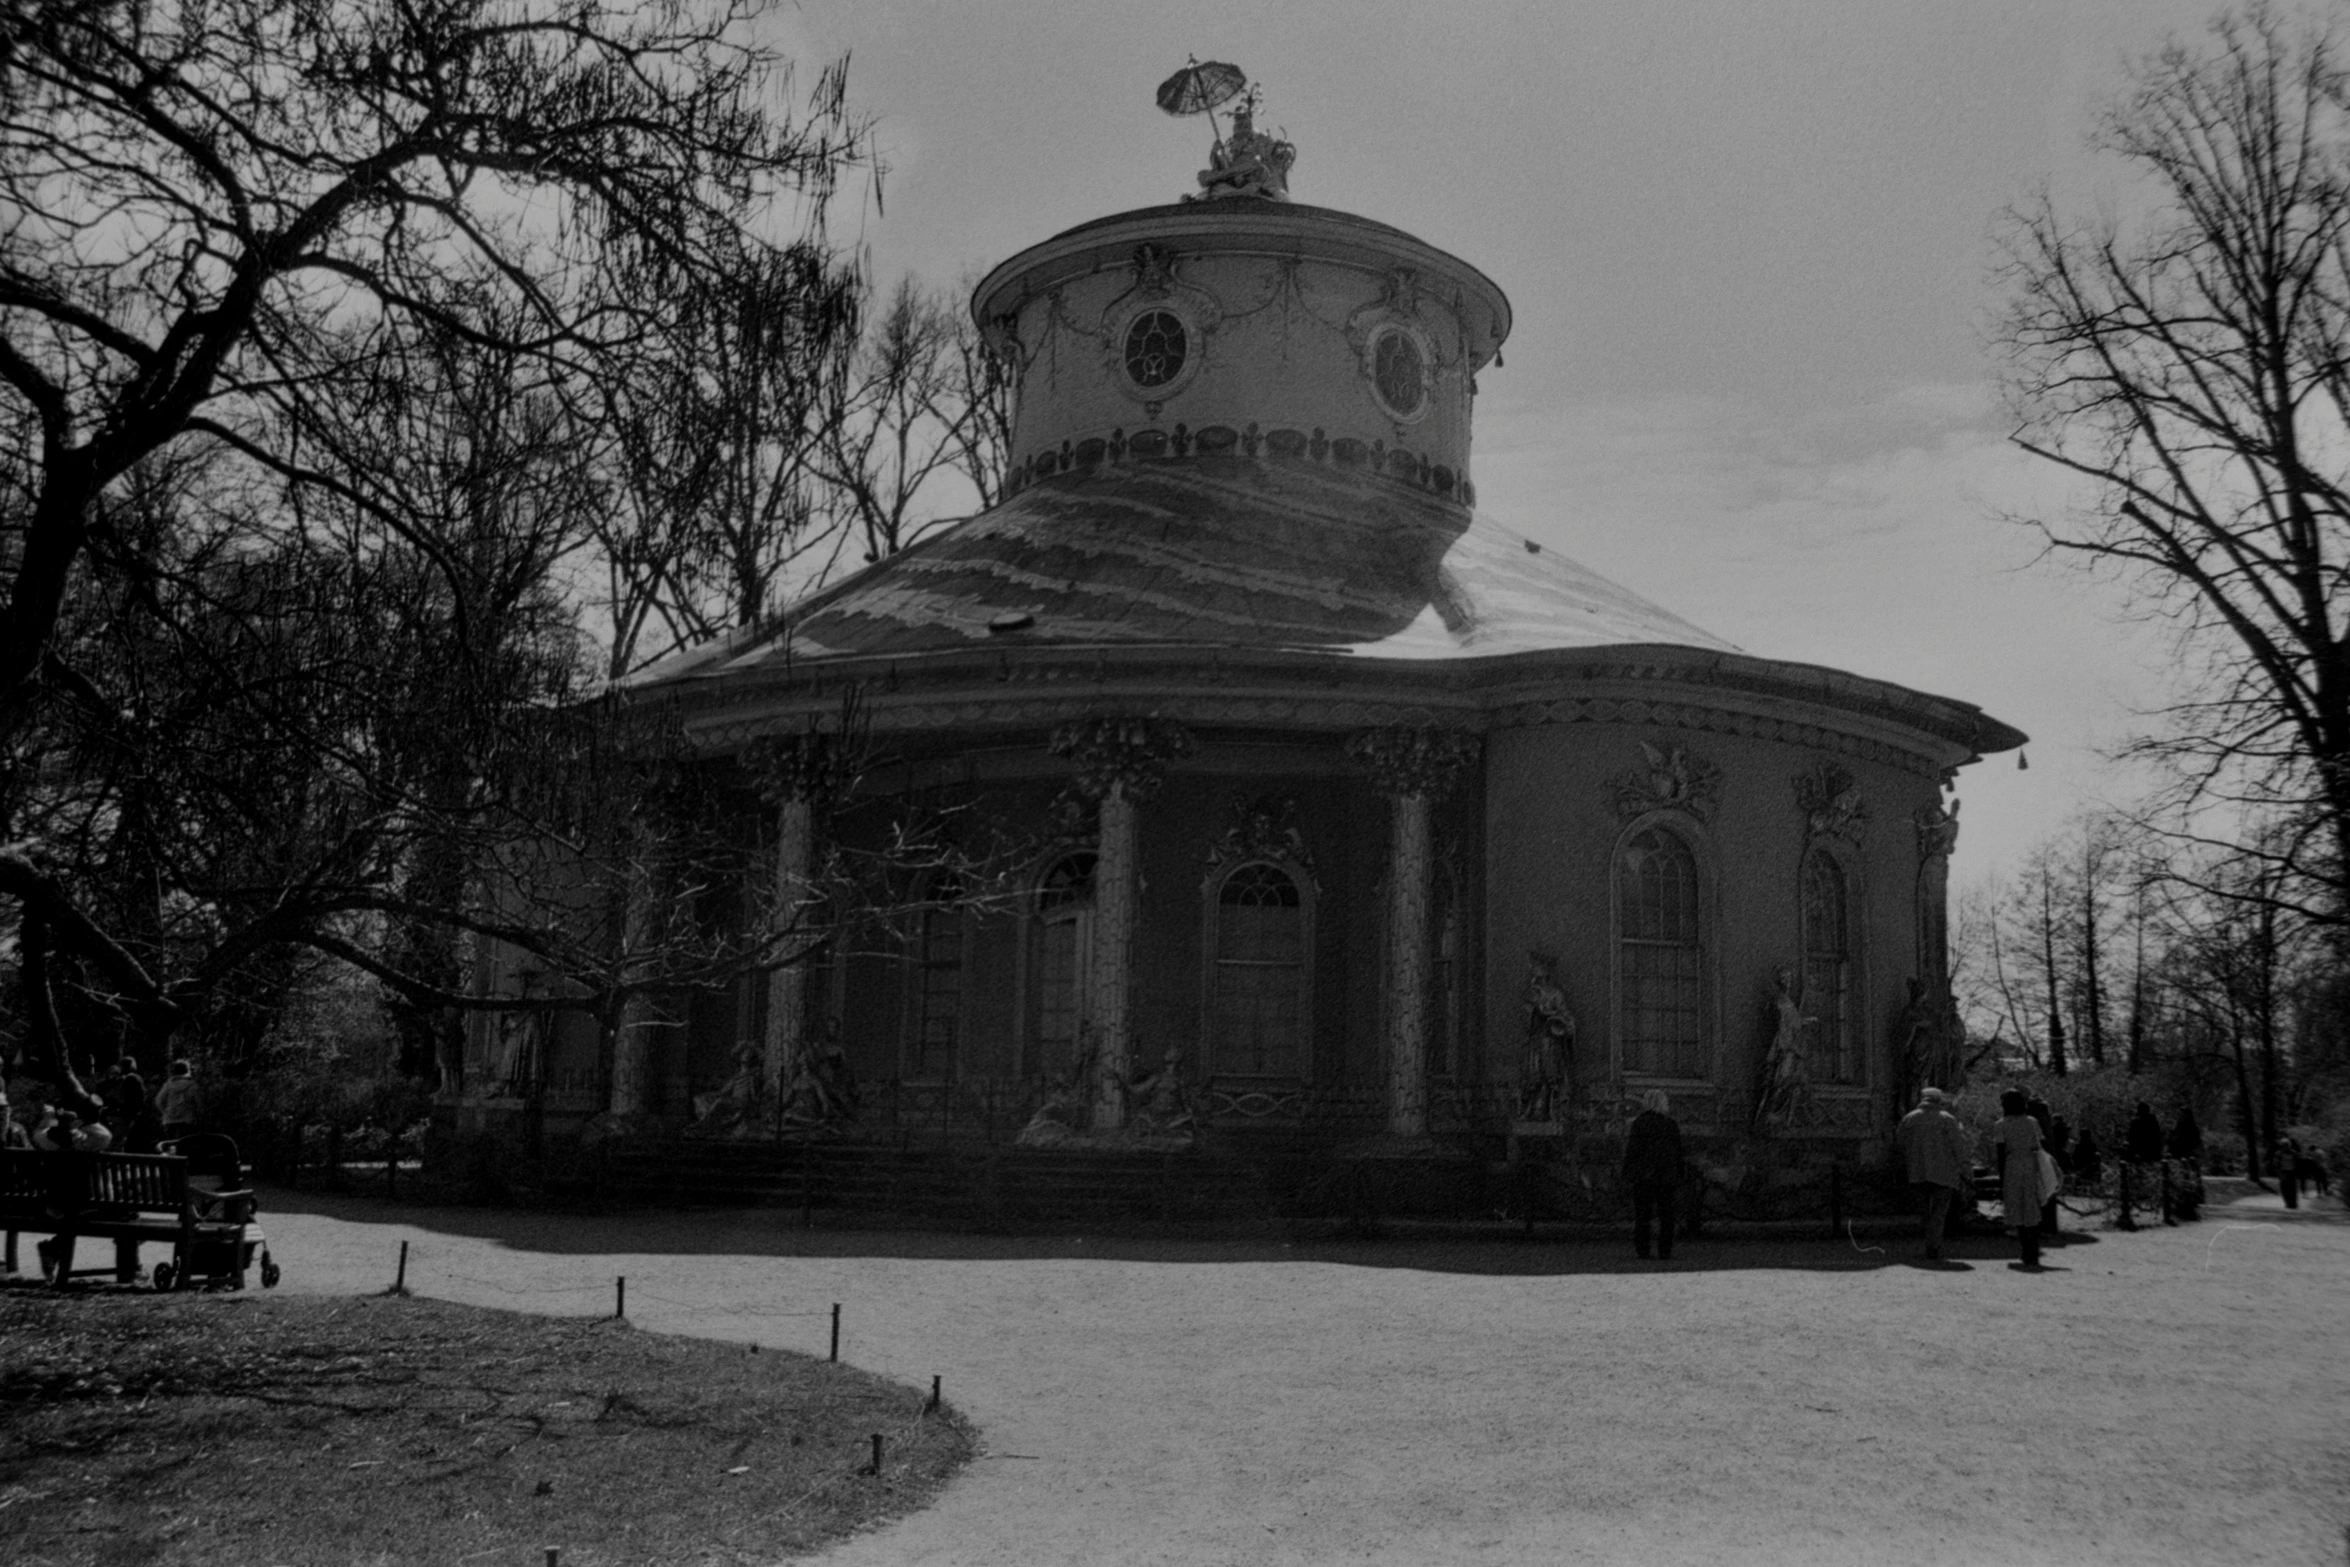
1200, 86
1250, 163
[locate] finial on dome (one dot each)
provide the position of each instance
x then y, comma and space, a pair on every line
1246, 163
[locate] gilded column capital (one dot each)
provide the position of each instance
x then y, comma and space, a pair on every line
1425, 762
1126, 755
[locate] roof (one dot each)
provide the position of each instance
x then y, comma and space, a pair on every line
1221, 551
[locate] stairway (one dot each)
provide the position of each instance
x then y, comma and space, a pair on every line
984, 1186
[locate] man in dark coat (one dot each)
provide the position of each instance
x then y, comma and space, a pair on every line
1652, 1169
2143, 1144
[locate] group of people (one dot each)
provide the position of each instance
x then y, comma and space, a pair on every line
2032, 1154
118, 1113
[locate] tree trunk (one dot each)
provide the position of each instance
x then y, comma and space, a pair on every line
2056, 1063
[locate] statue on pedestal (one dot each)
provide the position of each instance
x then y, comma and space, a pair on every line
1550, 1043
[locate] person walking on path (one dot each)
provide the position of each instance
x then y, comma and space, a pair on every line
2016, 1145
179, 1101
1934, 1149
1652, 1168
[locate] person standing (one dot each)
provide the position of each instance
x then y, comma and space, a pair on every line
2016, 1144
179, 1101
1934, 1150
1653, 1169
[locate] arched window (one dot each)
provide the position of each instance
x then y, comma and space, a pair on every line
1257, 979
1660, 957
1059, 962
1827, 970
935, 1005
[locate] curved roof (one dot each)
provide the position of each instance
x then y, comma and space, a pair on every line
1211, 551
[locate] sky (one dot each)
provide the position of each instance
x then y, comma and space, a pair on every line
1752, 252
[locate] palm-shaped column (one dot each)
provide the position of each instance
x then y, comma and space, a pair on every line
1414, 768
1120, 764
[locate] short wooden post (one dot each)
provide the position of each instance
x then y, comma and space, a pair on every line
934, 1396
876, 1469
400, 1279
620, 1297
836, 1330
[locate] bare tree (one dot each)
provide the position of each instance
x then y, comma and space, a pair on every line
2193, 363
219, 215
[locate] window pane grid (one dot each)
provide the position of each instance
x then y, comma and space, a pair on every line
1660, 961
1256, 1009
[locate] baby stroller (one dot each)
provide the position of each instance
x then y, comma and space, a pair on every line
229, 1238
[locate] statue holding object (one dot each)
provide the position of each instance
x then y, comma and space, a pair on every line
1550, 1043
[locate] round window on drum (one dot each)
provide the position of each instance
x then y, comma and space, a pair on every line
1399, 371
1157, 347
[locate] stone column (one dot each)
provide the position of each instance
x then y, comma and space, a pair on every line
796, 775
1120, 764
1414, 768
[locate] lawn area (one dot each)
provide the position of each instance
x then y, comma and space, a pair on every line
312, 1430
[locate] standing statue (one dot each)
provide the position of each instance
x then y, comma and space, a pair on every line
1550, 1043
1781, 1094
1917, 1035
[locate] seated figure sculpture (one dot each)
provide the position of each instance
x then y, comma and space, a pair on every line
733, 1111
1162, 1114
1247, 163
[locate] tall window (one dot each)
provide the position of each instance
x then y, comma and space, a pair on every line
1058, 962
1827, 970
938, 985
1256, 1006
1660, 957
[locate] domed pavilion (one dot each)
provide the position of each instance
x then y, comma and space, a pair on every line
1348, 816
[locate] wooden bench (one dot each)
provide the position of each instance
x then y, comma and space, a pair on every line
123, 1197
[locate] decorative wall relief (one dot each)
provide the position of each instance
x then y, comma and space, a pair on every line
1673, 779
1263, 827
1831, 803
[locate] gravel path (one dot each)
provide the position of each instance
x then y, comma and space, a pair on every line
2175, 1395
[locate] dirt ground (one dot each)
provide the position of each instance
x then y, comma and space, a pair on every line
2173, 1395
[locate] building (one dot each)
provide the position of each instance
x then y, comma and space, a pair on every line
1376, 814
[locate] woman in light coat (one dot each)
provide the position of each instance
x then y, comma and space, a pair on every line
2016, 1146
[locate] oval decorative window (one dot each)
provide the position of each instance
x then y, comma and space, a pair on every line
1400, 374
1156, 346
